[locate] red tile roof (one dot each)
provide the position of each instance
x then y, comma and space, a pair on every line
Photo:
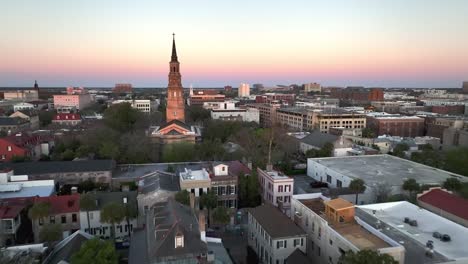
11, 207
236, 167
447, 202
67, 116
61, 204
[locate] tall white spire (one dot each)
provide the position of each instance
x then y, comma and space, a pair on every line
191, 90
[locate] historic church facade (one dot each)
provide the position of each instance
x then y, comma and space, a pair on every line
175, 129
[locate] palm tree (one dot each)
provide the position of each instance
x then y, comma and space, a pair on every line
357, 186
131, 212
113, 213
38, 211
411, 186
87, 203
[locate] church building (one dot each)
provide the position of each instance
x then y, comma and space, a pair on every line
175, 129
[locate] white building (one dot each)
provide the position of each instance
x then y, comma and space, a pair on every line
272, 235
276, 188
144, 105
333, 229
414, 227
23, 106
244, 90
195, 181
382, 174
103, 229
228, 111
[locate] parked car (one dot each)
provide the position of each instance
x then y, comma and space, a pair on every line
319, 184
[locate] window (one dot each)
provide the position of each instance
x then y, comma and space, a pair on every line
280, 188
319, 232
339, 184
318, 250
41, 221
296, 242
330, 259
329, 179
74, 218
179, 241
9, 148
331, 242
313, 227
52, 219
64, 219
279, 244
91, 216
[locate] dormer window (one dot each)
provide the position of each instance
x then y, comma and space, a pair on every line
179, 241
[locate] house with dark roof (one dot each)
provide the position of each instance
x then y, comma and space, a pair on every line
317, 140
65, 172
446, 204
272, 235
102, 229
66, 119
12, 211
64, 250
11, 125
171, 234
63, 210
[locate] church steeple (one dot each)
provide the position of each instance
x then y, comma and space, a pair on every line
174, 51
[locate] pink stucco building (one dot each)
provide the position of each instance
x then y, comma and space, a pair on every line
79, 101
276, 188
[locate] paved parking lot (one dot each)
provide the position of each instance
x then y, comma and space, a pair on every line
302, 184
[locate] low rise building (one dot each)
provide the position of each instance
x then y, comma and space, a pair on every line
96, 226
317, 140
171, 234
66, 119
120, 88
11, 213
333, 229
65, 172
75, 98
382, 174
23, 106
272, 235
21, 95
144, 105
10, 125
446, 204
312, 87
276, 98
395, 125
276, 188
229, 112
416, 230
29, 115
199, 97
64, 210
224, 184
19, 186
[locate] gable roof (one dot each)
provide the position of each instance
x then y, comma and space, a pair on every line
104, 198
298, 257
64, 250
61, 204
271, 218
446, 201
318, 139
177, 123
67, 117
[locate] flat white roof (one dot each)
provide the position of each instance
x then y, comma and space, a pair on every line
194, 175
375, 169
394, 213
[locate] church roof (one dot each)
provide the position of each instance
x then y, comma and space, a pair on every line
176, 122
174, 51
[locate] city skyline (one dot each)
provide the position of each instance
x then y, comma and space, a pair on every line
338, 43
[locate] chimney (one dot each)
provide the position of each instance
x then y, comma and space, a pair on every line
192, 200
201, 225
269, 167
74, 190
249, 165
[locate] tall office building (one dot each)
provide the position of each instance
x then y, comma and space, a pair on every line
244, 90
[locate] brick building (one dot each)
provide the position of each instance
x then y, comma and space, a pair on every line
199, 97
395, 125
66, 119
275, 98
358, 94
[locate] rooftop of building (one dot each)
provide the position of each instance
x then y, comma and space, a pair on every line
446, 201
414, 238
156, 242
271, 218
66, 116
42, 188
104, 198
376, 169
274, 174
318, 139
64, 250
61, 204
352, 231
11, 121
31, 168
297, 257
383, 115
194, 175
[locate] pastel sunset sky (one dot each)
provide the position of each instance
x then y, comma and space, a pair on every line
389, 43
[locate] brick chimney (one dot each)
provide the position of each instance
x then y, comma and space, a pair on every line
201, 225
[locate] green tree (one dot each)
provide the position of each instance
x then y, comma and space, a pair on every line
131, 212
209, 201
411, 186
183, 197
39, 211
327, 150
96, 251
68, 155
453, 184
368, 133
109, 150
87, 203
357, 186
178, 152
253, 190
455, 160
50, 233
399, 150
112, 213
121, 117
366, 256
221, 215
